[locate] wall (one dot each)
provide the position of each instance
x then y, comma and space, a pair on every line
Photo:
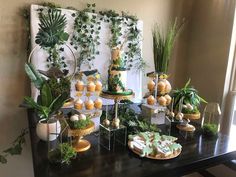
13, 44
208, 46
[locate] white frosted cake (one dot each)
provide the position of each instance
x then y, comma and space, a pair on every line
117, 73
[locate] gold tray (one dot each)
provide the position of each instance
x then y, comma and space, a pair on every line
192, 116
82, 132
136, 151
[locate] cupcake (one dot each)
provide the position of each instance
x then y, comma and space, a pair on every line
79, 104
91, 87
98, 86
79, 86
151, 100
89, 105
151, 85
98, 103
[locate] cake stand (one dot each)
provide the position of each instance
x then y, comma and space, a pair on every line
79, 144
117, 97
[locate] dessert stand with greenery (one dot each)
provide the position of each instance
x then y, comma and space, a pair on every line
79, 143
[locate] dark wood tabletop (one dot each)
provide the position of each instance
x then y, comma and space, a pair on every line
197, 153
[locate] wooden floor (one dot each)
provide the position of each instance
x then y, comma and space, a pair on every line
227, 169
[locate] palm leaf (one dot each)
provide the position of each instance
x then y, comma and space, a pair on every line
34, 75
46, 95
51, 29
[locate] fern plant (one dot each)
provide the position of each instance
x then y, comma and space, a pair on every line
51, 29
163, 45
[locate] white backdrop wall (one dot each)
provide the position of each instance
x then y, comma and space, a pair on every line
101, 61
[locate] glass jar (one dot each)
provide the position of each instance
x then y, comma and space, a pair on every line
211, 119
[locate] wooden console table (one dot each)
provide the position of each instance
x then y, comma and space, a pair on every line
98, 162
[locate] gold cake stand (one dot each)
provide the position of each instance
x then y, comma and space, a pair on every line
117, 98
79, 144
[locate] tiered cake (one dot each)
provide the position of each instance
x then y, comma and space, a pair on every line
117, 73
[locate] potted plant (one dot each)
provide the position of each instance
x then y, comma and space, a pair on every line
190, 100
163, 45
46, 105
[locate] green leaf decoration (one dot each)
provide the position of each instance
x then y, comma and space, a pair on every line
187, 84
46, 95
34, 75
58, 102
15, 150
3, 160
163, 45
51, 29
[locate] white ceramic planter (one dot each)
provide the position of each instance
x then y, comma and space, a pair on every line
43, 129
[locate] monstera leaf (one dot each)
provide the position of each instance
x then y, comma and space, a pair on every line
51, 29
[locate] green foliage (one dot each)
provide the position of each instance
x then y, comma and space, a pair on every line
15, 149
51, 28
51, 34
132, 35
46, 105
187, 111
113, 82
85, 37
63, 154
80, 124
189, 95
163, 45
59, 87
210, 130
133, 121
34, 76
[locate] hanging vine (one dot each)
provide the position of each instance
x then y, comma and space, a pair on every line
85, 38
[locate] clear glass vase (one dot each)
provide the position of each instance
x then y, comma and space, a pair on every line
211, 119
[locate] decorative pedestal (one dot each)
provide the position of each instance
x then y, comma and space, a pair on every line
185, 128
155, 114
171, 124
108, 136
79, 143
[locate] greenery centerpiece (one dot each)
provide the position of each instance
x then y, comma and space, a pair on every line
80, 125
47, 104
